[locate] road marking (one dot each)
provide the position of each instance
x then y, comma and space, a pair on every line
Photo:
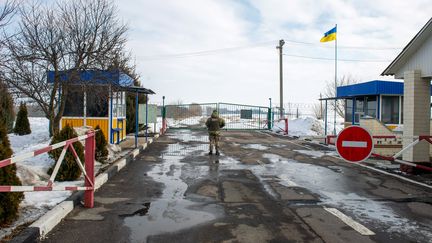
354, 144
350, 222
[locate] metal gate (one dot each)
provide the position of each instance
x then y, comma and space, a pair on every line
236, 116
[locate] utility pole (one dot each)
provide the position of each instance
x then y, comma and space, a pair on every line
281, 43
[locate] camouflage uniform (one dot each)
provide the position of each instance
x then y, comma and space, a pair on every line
214, 124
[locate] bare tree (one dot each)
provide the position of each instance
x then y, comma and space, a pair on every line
330, 92
317, 111
7, 12
195, 109
69, 36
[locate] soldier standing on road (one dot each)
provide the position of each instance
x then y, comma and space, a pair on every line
214, 124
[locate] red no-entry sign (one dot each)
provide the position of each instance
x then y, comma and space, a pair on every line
354, 144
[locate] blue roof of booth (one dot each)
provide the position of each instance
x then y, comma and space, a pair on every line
114, 77
375, 87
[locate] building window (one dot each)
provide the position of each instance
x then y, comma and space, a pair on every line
359, 109
114, 104
366, 105
119, 104
97, 101
74, 102
348, 110
371, 106
390, 109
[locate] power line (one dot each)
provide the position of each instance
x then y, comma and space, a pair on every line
343, 47
254, 45
332, 59
208, 52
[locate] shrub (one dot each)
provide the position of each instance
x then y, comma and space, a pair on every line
69, 169
22, 125
130, 108
9, 201
101, 146
7, 115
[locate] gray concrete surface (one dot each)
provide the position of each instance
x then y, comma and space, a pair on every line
263, 188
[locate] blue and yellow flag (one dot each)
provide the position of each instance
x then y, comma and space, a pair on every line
329, 35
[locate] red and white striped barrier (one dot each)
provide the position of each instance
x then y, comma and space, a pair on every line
394, 158
87, 169
43, 188
330, 139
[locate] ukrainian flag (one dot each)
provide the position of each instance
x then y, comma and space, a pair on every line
329, 35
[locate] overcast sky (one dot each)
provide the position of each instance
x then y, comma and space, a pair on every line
224, 50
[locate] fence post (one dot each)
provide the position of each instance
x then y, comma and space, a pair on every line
164, 125
269, 119
89, 168
259, 118
286, 126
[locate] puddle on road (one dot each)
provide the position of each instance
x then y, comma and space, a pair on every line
140, 212
186, 136
182, 150
173, 211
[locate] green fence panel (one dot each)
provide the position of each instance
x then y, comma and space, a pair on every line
152, 114
188, 116
236, 116
243, 117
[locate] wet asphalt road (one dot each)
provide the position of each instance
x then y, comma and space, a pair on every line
262, 188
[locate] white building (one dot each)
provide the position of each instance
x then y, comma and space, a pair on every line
414, 66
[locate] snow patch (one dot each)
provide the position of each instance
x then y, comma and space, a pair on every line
316, 154
306, 126
256, 146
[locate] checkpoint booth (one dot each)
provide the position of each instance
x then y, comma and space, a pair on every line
377, 106
382, 100
97, 98
377, 99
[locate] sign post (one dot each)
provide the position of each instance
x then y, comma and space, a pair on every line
354, 144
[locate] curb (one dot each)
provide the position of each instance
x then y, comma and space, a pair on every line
50, 219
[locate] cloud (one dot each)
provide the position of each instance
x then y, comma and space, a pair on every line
159, 29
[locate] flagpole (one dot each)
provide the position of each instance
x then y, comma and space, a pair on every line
334, 122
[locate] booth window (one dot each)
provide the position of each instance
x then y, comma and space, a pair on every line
348, 110
359, 109
371, 106
97, 101
119, 104
74, 102
390, 109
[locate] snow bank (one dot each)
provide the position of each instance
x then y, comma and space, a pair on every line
195, 120
306, 126
33, 172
